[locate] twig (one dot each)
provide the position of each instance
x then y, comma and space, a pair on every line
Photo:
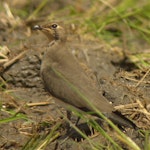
26, 133
143, 78
3, 60
12, 61
3, 81
4, 56
143, 112
135, 80
8, 11
132, 105
38, 104
20, 108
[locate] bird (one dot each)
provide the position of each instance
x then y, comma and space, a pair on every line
65, 79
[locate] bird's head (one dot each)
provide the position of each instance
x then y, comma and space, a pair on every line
53, 31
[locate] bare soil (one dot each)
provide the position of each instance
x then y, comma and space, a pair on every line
22, 90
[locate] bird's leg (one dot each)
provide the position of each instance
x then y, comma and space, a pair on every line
69, 118
69, 115
78, 119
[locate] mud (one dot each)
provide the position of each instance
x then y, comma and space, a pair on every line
119, 80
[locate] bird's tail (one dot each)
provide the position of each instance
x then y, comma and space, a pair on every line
121, 120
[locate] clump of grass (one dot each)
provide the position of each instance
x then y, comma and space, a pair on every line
125, 21
106, 21
40, 141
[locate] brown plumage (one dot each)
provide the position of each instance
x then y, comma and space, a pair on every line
66, 80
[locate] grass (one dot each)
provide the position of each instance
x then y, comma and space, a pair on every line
127, 20
13, 117
38, 142
147, 141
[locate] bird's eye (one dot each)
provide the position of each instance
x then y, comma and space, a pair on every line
54, 26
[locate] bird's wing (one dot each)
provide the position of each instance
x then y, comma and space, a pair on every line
66, 80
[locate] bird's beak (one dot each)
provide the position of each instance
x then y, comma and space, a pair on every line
37, 27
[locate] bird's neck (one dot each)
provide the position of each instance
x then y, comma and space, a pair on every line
56, 42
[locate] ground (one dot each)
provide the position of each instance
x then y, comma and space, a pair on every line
29, 113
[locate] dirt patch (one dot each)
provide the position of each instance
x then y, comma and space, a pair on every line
119, 80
